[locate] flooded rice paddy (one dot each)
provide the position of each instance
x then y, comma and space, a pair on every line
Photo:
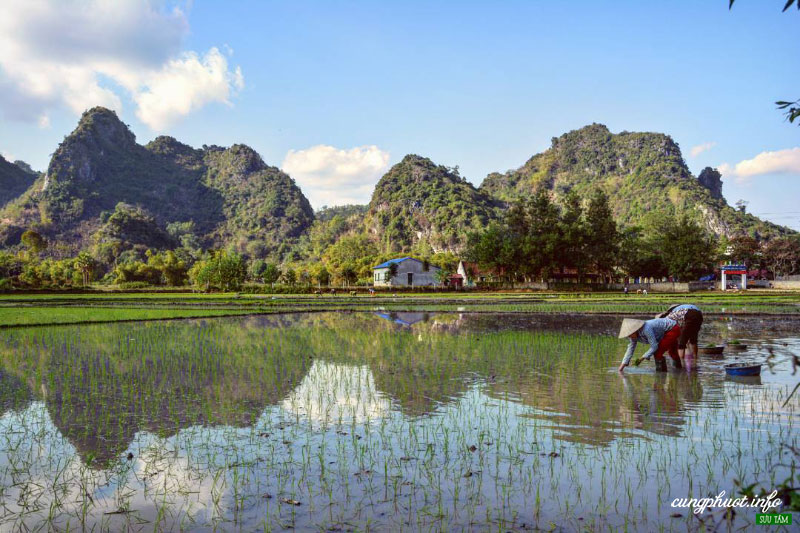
383, 421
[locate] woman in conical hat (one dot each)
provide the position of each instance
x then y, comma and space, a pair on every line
690, 320
660, 333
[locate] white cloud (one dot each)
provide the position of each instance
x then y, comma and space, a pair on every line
779, 162
726, 170
77, 55
184, 85
700, 148
331, 176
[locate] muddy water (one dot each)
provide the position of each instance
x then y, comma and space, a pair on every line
383, 421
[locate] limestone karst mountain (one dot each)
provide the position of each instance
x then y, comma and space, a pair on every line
229, 195
644, 175
103, 188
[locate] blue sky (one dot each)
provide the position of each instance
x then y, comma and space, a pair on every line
334, 92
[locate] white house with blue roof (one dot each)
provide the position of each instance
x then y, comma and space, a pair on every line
410, 273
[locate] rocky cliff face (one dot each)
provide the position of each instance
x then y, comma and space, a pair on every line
644, 175
711, 179
230, 194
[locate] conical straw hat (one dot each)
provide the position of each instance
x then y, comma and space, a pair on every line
630, 325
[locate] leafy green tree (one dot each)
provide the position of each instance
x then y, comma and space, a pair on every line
602, 238
348, 273
173, 269
184, 233
356, 252
350, 248
543, 234
744, 250
639, 256
160, 268
109, 251
289, 276
10, 266
59, 273
132, 271
321, 274
31, 275
257, 268
789, 108
222, 270
442, 276
271, 273
86, 264
517, 248
34, 242
491, 248
446, 260
573, 234
688, 250
782, 256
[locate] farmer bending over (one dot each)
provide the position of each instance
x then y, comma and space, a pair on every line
689, 318
660, 333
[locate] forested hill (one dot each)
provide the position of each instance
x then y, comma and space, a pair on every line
105, 193
644, 175
15, 178
420, 204
102, 187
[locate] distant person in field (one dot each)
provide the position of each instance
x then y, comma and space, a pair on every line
690, 319
660, 333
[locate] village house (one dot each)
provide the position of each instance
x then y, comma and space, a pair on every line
471, 274
410, 272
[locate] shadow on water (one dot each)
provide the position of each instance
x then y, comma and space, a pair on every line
405, 420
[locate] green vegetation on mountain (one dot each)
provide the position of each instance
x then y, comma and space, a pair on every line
264, 212
344, 212
127, 227
15, 178
643, 174
419, 205
230, 196
330, 225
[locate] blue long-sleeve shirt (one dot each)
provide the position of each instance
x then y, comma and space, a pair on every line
652, 332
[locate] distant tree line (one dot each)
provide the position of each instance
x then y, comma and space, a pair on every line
538, 239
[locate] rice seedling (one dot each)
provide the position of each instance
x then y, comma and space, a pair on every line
353, 421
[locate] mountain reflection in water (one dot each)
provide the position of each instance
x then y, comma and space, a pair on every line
211, 415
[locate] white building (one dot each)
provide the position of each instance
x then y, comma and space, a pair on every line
410, 273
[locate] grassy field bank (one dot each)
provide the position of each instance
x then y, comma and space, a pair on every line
42, 309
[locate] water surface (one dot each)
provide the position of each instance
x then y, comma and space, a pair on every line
384, 421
